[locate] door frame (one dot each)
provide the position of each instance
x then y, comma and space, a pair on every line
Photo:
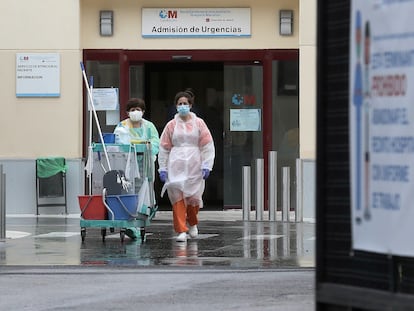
265, 57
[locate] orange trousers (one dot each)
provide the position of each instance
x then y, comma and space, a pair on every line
183, 214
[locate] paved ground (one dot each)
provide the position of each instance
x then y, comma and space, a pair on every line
44, 265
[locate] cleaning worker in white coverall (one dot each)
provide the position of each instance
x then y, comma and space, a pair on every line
185, 159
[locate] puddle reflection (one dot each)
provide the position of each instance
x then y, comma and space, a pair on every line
237, 243
186, 254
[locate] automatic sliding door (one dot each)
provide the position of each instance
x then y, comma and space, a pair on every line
242, 114
285, 121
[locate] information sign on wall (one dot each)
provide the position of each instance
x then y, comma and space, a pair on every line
37, 75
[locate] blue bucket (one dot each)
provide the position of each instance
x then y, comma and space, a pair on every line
123, 206
109, 138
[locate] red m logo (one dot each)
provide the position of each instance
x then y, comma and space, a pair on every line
172, 14
249, 100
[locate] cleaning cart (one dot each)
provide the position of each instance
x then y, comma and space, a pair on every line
121, 183
123, 197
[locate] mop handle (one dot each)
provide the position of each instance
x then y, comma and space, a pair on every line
90, 151
90, 114
85, 79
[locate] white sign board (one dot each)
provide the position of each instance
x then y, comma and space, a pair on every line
196, 22
37, 75
245, 119
104, 99
382, 126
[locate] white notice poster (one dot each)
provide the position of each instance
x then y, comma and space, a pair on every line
382, 126
245, 120
104, 99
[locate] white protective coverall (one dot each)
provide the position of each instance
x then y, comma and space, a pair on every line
186, 147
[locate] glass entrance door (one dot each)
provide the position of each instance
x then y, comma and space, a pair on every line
103, 74
242, 120
229, 97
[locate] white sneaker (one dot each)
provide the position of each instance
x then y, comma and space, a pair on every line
181, 237
193, 231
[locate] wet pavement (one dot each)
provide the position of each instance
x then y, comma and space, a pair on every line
225, 241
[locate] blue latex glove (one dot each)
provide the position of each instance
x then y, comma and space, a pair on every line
163, 176
205, 172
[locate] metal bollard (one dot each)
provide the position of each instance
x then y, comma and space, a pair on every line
299, 191
272, 185
259, 189
286, 193
2, 203
246, 199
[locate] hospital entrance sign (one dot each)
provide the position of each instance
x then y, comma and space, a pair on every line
196, 22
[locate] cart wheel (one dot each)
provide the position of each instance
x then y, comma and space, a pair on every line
83, 234
142, 235
103, 233
112, 229
122, 235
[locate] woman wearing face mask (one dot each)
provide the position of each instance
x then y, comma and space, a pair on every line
185, 160
135, 128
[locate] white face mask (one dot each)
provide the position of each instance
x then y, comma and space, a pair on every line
135, 115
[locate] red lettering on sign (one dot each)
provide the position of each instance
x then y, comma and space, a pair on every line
249, 100
172, 14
